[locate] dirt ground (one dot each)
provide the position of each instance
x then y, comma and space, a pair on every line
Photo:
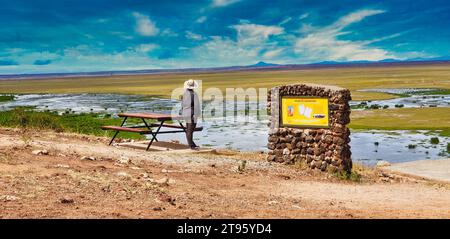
75, 176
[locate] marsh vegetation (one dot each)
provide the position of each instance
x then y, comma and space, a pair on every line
393, 107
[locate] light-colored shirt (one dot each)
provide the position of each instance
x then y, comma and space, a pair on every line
189, 112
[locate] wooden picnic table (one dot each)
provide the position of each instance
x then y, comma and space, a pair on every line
146, 128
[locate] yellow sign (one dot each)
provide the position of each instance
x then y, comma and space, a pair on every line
304, 111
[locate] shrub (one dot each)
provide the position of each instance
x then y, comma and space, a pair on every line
37, 120
350, 176
374, 107
4, 98
434, 140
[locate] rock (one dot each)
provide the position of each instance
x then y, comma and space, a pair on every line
241, 166
8, 198
328, 139
62, 166
338, 141
271, 146
297, 132
318, 150
273, 139
296, 151
385, 175
317, 164
157, 209
386, 180
40, 152
312, 165
106, 188
323, 166
273, 202
123, 160
91, 158
163, 197
66, 200
383, 163
123, 174
163, 181
271, 157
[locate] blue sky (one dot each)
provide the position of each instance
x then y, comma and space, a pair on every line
75, 35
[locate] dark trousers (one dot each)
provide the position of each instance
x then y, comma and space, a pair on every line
190, 127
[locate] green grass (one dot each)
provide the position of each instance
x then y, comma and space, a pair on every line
353, 78
75, 123
433, 119
349, 176
4, 98
435, 92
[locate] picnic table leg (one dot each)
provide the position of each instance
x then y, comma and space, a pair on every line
154, 135
182, 126
146, 125
117, 132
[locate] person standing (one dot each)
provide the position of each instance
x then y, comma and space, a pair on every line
190, 108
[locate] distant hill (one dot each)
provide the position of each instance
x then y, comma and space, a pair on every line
259, 66
263, 64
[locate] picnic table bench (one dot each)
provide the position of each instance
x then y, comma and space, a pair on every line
146, 128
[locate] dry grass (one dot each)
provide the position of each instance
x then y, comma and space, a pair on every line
355, 78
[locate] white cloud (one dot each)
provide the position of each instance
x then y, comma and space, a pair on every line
24, 57
144, 25
355, 17
223, 3
146, 47
272, 53
323, 44
252, 43
252, 32
303, 16
193, 36
286, 20
201, 19
225, 51
169, 33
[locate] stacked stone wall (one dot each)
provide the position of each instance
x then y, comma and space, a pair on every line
326, 149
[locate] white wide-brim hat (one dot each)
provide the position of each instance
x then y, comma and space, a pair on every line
190, 84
